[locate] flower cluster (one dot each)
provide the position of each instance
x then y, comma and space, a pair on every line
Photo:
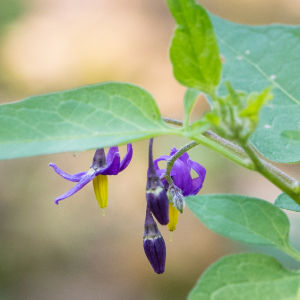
183, 183
164, 199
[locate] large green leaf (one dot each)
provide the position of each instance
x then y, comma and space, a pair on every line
194, 51
249, 277
285, 202
246, 219
257, 57
84, 118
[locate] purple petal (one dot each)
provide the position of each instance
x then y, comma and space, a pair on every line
197, 182
83, 181
160, 172
75, 177
127, 158
184, 157
111, 155
163, 157
182, 177
112, 168
173, 151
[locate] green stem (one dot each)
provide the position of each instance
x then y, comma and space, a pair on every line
238, 151
286, 187
219, 145
172, 159
246, 163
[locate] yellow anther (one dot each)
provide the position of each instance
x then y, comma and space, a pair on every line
173, 217
100, 183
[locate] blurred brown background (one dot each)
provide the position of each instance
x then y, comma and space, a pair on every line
71, 251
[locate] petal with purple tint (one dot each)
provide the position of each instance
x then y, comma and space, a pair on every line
163, 157
83, 181
127, 158
184, 157
75, 177
181, 177
197, 182
112, 167
173, 151
111, 155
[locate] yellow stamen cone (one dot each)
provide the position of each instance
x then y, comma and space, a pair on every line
173, 217
100, 183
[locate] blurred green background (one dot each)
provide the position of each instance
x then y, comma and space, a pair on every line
71, 251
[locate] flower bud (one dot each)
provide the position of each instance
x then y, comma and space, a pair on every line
154, 244
157, 199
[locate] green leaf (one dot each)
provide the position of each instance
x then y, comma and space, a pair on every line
257, 57
194, 51
255, 102
248, 277
285, 202
189, 100
246, 219
199, 126
84, 118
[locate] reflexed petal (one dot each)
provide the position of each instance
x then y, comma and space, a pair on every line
163, 157
127, 158
184, 157
111, 155
75, 177
197, 182
182, 177
173, 151
112, 167
83, 181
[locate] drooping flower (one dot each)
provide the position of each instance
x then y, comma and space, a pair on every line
101, 166
154, 244
157, 199
184, 184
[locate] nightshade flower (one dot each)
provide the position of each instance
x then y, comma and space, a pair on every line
154, 244
101, 167
184, 185
157, 199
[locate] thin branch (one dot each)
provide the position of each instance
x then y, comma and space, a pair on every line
172, 159
237, 150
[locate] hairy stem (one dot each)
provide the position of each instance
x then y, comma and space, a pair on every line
172, 159
286, 187
237, 150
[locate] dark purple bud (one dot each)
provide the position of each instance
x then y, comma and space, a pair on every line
157, 199
154, 244
99, 160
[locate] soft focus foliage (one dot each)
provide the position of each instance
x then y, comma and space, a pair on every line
74, 253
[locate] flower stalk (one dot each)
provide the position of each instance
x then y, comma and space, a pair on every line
246, 156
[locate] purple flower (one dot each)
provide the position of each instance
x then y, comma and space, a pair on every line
184, 184
101, 167
154, 244
180, 173
157, 199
